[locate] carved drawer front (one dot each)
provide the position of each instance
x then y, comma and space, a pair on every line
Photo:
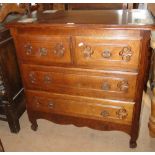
110, 53
44, 49
103, 84
107, 110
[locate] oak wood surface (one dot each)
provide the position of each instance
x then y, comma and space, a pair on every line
126, 19
82, 107
81, 82
103, 84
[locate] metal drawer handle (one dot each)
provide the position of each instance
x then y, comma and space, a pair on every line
121, 113
32, 77
37, 104
105, 113
59, 50
106, 54
47, 79
87, 50
123, 85
36, 101
28, 48
106, 86
126, 53
50, 105
43, 51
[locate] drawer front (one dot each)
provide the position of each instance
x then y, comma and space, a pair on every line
120, 112
104, 84
44, 49
111, 54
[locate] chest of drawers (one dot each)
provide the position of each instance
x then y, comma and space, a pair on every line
80, 68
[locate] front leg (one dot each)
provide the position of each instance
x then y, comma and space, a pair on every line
33, 120
133, 143
34, 125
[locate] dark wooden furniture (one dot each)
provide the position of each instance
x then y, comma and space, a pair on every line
86, 68
11, 91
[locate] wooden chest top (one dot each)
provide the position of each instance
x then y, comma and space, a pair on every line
139, 19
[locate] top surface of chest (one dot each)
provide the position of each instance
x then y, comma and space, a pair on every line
93, 18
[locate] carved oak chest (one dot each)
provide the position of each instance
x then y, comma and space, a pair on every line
86, 68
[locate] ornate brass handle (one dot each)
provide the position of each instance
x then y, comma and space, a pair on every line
105, 113
59, 50
126, 53
87, 50
43, 51
123, 85
32, 77
37, 104
122, 113
106, 86
106, 54
47, 79
28, 48
50, 105
36, 101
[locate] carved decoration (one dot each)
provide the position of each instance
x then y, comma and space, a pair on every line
121, 113
106, 86
32, 77
59, 50
106, 54
123, 85
126, 53
43, 51
87, 50
28, 49
47, 79
105, 113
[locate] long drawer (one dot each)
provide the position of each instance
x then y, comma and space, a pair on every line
112, 53
91, 83
42, 49
104, 110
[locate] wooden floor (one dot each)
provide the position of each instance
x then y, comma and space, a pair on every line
54, 137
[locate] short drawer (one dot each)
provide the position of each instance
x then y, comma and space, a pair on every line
114, 54
91, 83
41, 49
106, 110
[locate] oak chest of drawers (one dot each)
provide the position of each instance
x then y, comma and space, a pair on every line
78, 67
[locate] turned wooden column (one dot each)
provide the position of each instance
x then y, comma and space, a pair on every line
152, 81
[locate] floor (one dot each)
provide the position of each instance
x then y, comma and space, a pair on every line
53, 137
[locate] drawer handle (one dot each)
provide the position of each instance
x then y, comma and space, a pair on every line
36, 101
43, 51
122, 113
50, 105
47, 79
106, 86
126, 53
105, 113
59, 50
37, 104
32, 77
87, 50
106, 54
28, 48
123, 85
